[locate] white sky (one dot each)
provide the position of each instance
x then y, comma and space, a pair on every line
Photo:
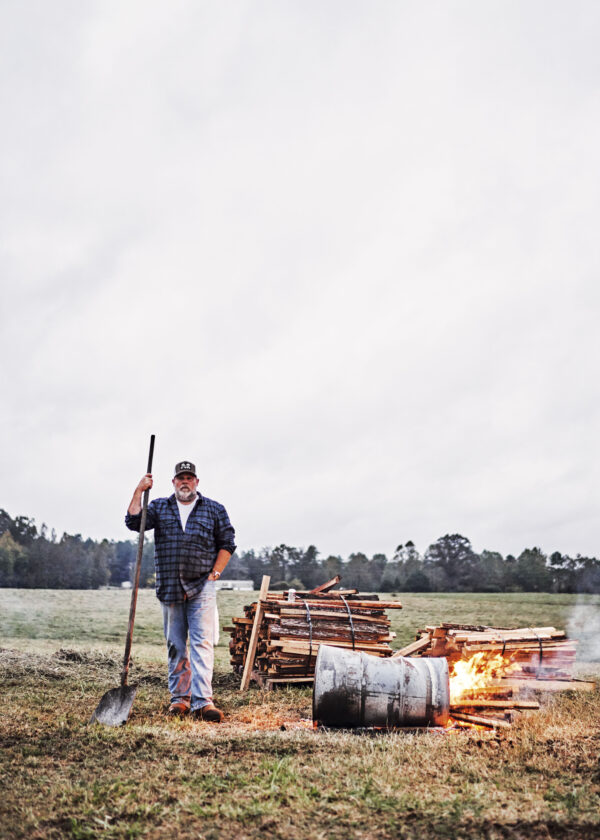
342, 255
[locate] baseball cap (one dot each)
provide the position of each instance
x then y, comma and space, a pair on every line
185, 466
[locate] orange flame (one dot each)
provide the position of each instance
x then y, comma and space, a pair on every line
468, 675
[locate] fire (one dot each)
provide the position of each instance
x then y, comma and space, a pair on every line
469, 675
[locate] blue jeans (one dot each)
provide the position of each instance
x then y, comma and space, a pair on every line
196, 618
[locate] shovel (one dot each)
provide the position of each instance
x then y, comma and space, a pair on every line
114, 706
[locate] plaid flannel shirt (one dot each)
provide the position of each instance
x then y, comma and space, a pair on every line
184, 559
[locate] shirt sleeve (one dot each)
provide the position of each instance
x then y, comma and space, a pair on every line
224, 532
134, 520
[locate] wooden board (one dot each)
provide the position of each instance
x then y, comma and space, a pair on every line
280, 682
493, 704
480, 720
413, 647
325, 587
264, 589
547, 685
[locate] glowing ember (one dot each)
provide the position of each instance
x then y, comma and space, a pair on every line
469, 675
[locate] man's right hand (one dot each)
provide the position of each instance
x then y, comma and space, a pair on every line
145, 483
135, 506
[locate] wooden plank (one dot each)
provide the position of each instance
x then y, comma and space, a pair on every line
548, 685
324, 587
291, 679
526, 647
322, 633
341, 616
335, 593
280, 682
413, 647
264, 590
367, 605
300, 647
480, 720
304, 643
493, 704
498, 687
532, 634
301, 594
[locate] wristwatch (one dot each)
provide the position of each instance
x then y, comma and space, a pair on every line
216, 574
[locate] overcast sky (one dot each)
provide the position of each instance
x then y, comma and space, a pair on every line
342, 255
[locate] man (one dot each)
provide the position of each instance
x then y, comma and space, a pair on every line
194, 540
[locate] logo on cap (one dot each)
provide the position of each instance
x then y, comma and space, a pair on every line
185, 466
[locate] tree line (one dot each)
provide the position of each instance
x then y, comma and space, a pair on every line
448, 565
37, 559
32, 558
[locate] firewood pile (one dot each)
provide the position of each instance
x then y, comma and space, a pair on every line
529, 652
291, 626
495, 705
491, 666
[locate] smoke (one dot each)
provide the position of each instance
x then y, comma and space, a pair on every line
584, 625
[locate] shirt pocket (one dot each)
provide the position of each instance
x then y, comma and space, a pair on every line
201, 532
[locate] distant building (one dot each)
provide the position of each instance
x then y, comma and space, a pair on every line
244, 585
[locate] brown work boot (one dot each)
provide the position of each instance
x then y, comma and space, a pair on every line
178, 708
209, 713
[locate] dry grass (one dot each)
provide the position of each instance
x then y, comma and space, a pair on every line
266, 771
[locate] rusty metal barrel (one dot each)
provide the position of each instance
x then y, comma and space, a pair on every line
355, 689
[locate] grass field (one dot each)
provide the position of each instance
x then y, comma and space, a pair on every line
265, 771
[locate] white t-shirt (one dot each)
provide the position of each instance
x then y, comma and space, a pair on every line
184, 512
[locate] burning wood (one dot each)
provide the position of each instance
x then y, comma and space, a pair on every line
489, 665
293, 625
526, 652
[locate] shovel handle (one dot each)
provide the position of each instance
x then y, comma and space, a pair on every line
138, 568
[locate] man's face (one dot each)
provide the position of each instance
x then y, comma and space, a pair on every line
185, 486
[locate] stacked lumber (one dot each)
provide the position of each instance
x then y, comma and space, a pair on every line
292, 626
530, 652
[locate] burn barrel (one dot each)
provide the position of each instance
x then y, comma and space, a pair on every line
356, 689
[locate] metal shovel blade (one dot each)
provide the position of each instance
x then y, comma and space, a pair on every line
114, 706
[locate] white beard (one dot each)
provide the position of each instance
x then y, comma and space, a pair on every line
185, 495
